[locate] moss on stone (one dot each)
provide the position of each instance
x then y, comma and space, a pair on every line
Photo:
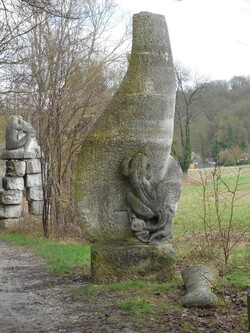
120, 261
135, 118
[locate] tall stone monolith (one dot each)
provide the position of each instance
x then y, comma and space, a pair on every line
127, 184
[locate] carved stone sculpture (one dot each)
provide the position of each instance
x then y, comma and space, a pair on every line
18, 133
20, 140
23, 171
150, 212
127, 183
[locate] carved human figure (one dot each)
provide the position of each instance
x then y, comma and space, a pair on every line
19, 134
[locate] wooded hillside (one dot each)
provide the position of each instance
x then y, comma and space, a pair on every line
216, 115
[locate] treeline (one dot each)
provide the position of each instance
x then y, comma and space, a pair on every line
212, 120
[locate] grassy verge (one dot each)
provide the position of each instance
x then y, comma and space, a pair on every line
213, 220
62, 258
138, 302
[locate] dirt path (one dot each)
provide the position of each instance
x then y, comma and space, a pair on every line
31, 301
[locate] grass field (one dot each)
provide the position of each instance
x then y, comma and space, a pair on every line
213, 219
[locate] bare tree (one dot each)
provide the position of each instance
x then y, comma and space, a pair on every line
63, 85
189, 89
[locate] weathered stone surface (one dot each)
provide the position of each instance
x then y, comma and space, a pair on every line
2, 225
36, 207
33, 166
33, 180
11, 197
199, 281
139, 120
13, 183
22, 163
17, 154
2, 171
151, 205
123, 261
10, 211
15, 168
20, 140
18, 133
34, 193
10, 223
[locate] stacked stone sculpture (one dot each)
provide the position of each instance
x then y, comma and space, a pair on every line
23, 171
127, 185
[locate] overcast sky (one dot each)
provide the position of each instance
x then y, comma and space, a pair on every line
211, 37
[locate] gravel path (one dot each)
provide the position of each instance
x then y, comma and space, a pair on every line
31, 301
27, 302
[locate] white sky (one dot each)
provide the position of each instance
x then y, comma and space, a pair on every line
211, 37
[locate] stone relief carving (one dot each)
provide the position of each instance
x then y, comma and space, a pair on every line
149, 213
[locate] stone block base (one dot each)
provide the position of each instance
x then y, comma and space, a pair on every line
11, 197
36, 207
2, 225
9, 224
123, 262
10, 211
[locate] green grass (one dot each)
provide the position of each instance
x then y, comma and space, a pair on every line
87, 292
237, 278
62, 258
126, 286
136, 305
137, 298
145, 298
189, 218
204, 240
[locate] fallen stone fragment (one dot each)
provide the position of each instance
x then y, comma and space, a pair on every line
199, 281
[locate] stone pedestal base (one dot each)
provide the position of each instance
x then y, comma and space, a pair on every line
11, 224
123, 261
8, 224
